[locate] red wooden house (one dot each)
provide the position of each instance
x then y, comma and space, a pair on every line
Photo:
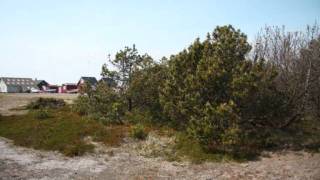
68, 88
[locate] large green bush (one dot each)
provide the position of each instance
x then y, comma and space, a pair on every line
144, 91
211, 90
104, 104
214, 127
223, 100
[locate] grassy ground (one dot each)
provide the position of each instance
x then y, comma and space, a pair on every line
63, 131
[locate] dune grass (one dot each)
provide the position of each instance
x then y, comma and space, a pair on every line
62, 131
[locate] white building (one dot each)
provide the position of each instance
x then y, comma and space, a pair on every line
16, 85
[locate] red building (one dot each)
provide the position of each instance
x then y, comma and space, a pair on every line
68, 88
52, 89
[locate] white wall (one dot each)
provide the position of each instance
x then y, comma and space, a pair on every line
3, 86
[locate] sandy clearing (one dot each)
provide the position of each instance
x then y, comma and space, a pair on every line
18, 162
125, 163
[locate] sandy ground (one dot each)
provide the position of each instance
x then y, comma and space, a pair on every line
125, 162
11, 101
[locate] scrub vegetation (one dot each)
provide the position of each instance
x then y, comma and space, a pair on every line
62, 131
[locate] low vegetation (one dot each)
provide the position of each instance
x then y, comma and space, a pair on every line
139, 132
64, 131
51, 103
42, 113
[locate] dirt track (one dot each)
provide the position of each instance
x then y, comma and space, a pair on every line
125, 162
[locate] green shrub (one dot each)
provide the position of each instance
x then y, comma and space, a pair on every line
116, 112
101, 118
225, 101
217, 129
42, 114
139, 132
104, 104
137, 116
81, 105
188, 147
144, 91
107, 118
78, 148
46, 103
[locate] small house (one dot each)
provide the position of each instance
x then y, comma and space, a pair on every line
52, 89
91, 81
68, 88
42, 85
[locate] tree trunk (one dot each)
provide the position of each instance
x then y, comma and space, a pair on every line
129, 104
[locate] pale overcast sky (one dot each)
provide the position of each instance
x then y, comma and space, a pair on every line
61, 40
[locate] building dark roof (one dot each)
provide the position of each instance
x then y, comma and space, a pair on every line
21, 83
27, 82
41, 82
109, 81
91, 80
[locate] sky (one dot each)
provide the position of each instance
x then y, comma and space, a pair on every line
61, 40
